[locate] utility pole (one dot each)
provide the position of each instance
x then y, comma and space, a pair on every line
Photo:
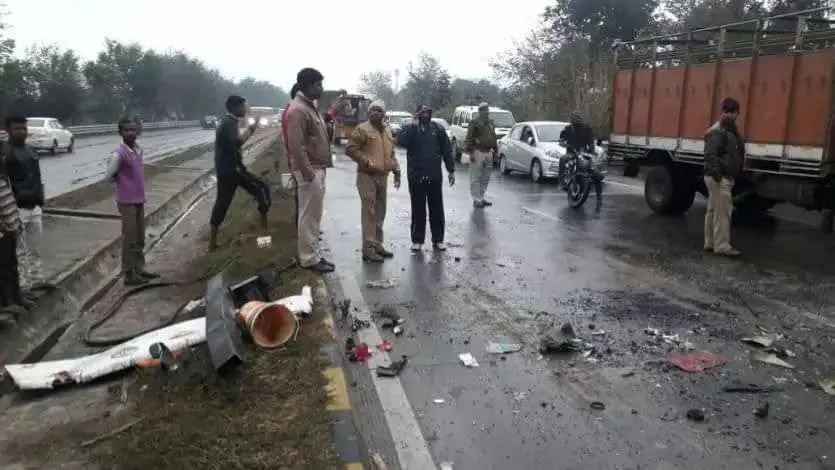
396, 80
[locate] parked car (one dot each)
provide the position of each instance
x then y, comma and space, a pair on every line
267, 116
534, 148
502, 119
48, 134
209, 122
396, 120
446, 126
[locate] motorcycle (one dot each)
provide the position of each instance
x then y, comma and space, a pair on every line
582, 172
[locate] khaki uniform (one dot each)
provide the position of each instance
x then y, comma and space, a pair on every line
373, 150
480, 143
724, 158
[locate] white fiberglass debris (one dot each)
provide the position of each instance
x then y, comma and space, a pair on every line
468, 360
299, 304
439, 401
384, 284
503, 348
264, 242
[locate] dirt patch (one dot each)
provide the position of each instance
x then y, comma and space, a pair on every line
103, 190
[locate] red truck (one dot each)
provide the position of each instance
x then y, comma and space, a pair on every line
666, 93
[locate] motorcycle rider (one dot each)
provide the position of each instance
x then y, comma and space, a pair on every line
578, 137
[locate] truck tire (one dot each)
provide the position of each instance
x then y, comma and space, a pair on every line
667, 192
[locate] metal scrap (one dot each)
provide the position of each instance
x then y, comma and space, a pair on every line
381, 284
394, 369
769, 358
503, 348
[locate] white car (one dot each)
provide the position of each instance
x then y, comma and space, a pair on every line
463, 115
396, 120
48, 134
534, 148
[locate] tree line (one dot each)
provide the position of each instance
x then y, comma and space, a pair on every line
566, 64
125, 79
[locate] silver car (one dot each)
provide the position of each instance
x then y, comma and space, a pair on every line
534, 148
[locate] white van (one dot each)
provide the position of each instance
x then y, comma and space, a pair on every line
502, 119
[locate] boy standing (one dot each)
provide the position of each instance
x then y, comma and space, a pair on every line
126, 167
11, 300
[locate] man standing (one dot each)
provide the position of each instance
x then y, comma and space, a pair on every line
310, 155
230, 168
724, 155
371, 146
481, 144
293, 91
427, 146
126, 167
11, 299
24, 172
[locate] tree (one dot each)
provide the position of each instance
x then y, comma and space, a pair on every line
261, 93
428, 83
377, 84
54, 74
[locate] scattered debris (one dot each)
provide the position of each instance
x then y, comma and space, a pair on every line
695, 414
769, 358
398, 330
468, 360
446, 465
385, 346
344, 308
561, 342
264, 242
597, 405
112, 433
652, 331
503, 348
761, 411
357, 324
360, 353
439, 401
698, 362
828, 386
394, 369
599, 333
378, 462
568, 330
194, 305
628, 373
752, 388
761, 341
519, 396
349, 345
383, 284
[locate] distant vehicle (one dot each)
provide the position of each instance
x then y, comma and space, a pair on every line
396, 121
463, 115
351, 110
534, 148
446, 126
209, 122
267, 116
48, 134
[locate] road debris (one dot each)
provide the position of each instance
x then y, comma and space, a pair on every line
394, 369
398, 330
695, 414
761, 411
344, 308
503, 348
385, 346
360, 353
698, 362
561, 342
597, 405
264, 242
468, 360
446, 465
652, 331
357, 324
752, 388
110, 434
764, 341
828, 386
769, 358
378, 463
382, 284
439, 401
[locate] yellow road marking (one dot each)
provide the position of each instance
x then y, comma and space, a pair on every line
354, 466
337, 390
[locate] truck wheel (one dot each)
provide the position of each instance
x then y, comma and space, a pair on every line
826, 222
668, 193
755, 204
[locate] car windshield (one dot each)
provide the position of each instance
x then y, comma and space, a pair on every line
502, 119
549, 132
261, 110
36, 122
442, 122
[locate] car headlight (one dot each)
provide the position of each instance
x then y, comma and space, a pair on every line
262, 122
251, 121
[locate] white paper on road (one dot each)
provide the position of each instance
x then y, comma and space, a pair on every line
46, 375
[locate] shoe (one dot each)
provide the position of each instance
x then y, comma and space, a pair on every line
322, 267
385, 253
707, 249
373, 259
132, 280
729, 253
148, 275
417, 247
478, 204
439, 246
486, 203
323, 260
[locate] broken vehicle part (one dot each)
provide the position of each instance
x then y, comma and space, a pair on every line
695, 414
503, 348
468, 360
769, 358
394, 369
382, 284
222, 334
697, 362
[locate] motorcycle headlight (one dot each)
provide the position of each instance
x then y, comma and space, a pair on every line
251, 121
262, 122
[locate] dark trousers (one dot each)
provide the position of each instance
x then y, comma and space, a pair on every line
226, 187
133, 238
424, 193
9, 276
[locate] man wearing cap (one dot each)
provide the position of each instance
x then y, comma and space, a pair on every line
481, 144
371, 146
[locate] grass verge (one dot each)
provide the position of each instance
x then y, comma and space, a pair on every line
268, 414
103, 190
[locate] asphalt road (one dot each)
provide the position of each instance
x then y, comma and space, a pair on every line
66, 172
530, 264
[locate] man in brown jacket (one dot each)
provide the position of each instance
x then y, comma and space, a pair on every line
724, 155
481, 144
371, 145
310, 155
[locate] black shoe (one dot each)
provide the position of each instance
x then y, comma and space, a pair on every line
373, 259
132, 280
323, 260
322, 267
486, 203
148, 275
385, 253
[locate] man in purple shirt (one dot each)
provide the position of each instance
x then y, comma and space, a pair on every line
125, 166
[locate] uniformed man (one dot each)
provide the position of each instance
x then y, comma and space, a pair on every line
481, 144
371, 146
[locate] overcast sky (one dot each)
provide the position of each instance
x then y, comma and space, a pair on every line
272, 40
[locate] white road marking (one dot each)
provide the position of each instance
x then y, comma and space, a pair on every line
541, 214
412, 450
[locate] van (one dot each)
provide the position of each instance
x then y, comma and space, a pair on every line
463, 115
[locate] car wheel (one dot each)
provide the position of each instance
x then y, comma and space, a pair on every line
54, 149
503, 165
536, 171
71, 147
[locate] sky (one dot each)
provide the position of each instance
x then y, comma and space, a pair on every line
272, 40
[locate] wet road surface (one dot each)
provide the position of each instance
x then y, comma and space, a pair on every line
530, 264
66, 172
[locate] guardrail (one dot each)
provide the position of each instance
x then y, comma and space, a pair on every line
101, 129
